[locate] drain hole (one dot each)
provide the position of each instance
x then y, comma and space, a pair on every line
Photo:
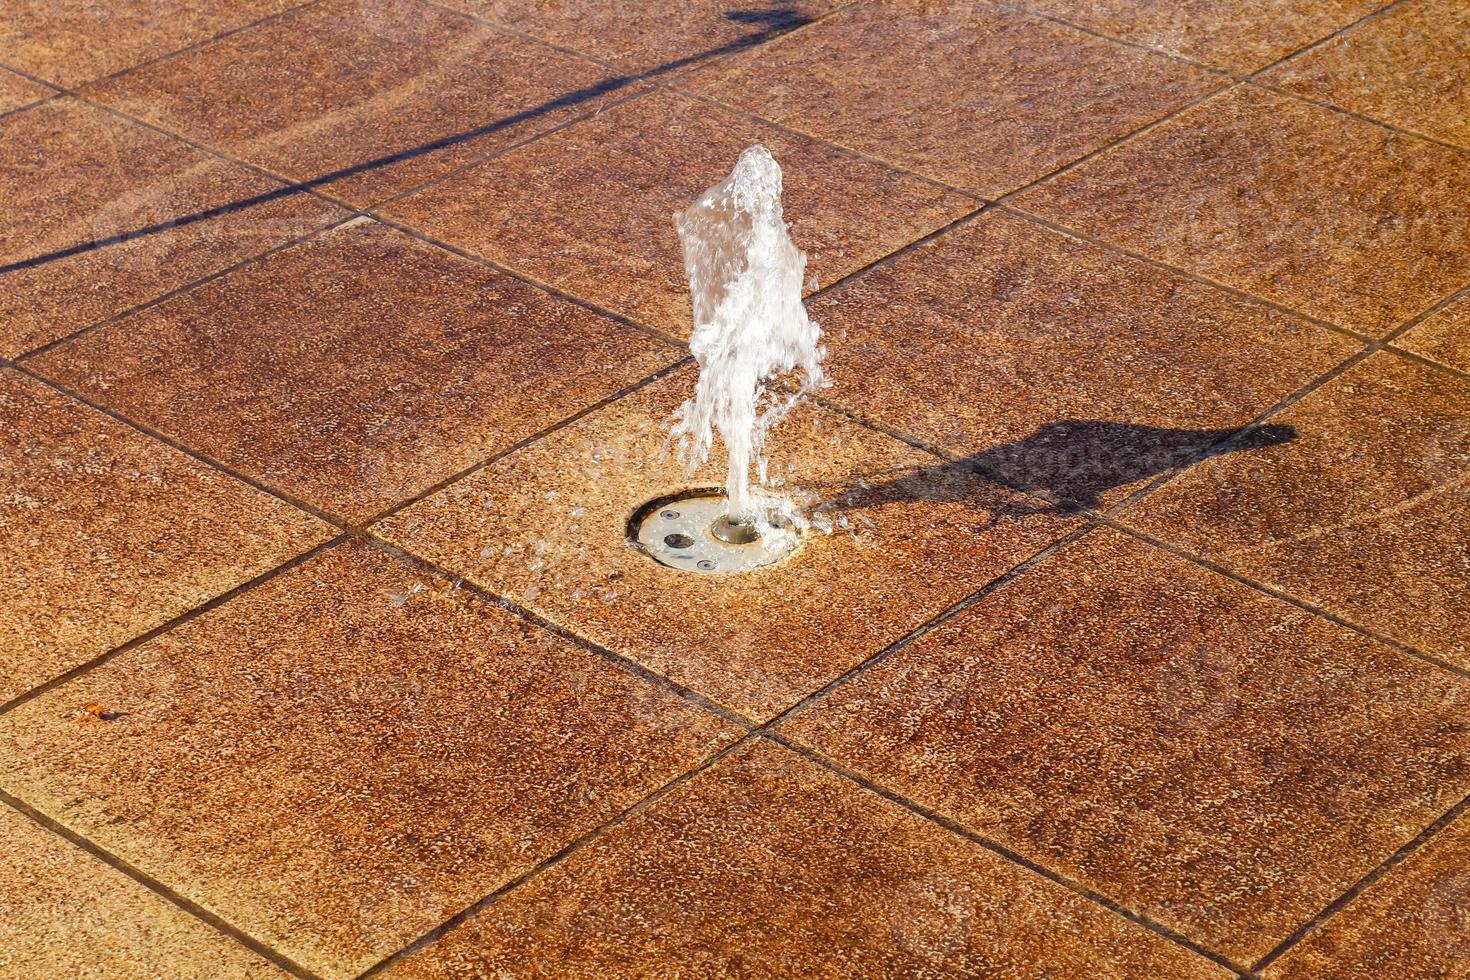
678, 540
670, 515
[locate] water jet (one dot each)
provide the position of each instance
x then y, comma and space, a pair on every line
758, 355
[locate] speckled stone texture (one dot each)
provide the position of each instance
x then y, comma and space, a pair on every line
1060, 365
1239, 36
64, 913
1326, 214
1409, 67
589, 209
972, 94
546, 526
1410, 925
70, 43
766, 865
347, 755
1443, 337
655, 38
17, 91
1202, 753
396, 367
351, 83
1365, 514
73, 174
105, 533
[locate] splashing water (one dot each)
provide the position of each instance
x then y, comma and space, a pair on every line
758, 353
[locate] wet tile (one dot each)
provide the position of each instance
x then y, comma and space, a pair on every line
105, 533
1329, 215
346, 755
397, 92
658, 38
1056, 363
766, 864
1409, 67
1364, 514
356, 369
970, 94
76, 175
546, 526
17, 91
70, 43
1443, 337
1407, 926
589, 209
1216, 759
65, 913
1241, 36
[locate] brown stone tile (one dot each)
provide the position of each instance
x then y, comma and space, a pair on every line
106, 534
655, 37
1409, 67
1410, 925
63, 913
356, 369
73, 174
1216, 759
1059, 364
546, 526
17, 91
348, 83
343, 757
766, 865
589, 209
1241, 36
70, 43
1364, 514
1443, 337
970, 94
1333, 216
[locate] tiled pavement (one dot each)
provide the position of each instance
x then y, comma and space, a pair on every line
336, 342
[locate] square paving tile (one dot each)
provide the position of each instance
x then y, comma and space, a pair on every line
1409, 67
73, 175
352, 83
1237, 35
1364, 514
1219, 760
106, 533
967, 93
766, 864
1409, 925
547, 525
654, 37
65, 913
1443, 337
357, 368
346, 755
1059, 364
589, 209
17, 91
70, 43
1326, 214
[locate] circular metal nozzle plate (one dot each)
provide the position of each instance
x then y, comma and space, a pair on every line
680, 532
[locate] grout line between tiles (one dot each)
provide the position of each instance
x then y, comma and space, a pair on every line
1367, 881
157, 887
547, 864
1361, 117
187, 616
495, 457
321, 515
179, 290
954, 827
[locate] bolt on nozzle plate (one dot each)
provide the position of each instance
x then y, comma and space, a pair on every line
694, 533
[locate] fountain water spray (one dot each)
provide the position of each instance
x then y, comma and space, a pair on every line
757, 351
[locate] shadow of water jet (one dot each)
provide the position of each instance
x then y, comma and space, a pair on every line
1076, 461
